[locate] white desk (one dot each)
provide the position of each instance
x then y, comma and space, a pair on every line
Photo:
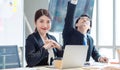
95, 66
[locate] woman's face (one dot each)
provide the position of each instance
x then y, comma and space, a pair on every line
43, 24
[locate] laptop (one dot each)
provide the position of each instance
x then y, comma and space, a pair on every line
74, 56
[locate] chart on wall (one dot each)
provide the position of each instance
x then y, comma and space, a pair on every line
11, 22
57, 9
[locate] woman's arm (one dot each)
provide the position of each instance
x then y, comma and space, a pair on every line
34, 54
58, 49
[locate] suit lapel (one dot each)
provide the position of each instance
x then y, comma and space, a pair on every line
38, 39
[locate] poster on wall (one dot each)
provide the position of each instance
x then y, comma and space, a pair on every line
11, 22
57, 9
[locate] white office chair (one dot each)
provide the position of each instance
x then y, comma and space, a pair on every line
9, 57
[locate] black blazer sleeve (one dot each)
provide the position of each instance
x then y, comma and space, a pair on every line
34, 54
69, 18
95, 55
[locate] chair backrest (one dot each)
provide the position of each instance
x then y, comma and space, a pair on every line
9, 57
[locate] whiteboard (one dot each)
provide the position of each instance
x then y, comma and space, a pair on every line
11, 22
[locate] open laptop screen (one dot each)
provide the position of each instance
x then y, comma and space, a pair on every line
74, 56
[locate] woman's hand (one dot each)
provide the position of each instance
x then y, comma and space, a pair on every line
48, 44
55, 44
51, 44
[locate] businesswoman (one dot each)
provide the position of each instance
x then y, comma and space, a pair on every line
76, 36
40, 42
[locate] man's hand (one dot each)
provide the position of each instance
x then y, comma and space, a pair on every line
74, 1
103, 59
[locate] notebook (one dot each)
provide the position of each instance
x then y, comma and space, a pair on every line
74, 56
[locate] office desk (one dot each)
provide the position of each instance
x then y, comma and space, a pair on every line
97, 66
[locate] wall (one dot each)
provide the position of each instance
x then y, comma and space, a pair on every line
11, 22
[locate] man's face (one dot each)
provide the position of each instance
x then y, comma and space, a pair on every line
83, 23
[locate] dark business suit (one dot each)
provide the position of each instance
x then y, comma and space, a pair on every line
35, 54
73, 37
